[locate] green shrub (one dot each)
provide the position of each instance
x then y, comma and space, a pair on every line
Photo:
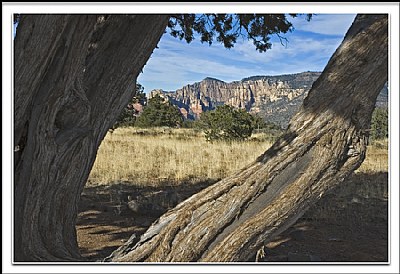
379, 124
227, 124
159, 112
129, 115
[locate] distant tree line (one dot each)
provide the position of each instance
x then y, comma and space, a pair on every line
225, 123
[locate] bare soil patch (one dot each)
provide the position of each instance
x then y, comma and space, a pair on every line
349, 224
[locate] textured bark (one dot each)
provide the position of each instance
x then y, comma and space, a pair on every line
73, 76
324, 143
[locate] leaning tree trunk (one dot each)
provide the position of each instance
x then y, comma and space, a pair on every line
73, 76
324, 143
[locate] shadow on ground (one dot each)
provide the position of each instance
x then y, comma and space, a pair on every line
106, 220
349, 224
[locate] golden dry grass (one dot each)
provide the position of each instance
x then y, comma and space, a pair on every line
156, 156
377, 158
152, 157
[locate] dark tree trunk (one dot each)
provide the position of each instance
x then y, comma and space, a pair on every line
324, 143
73, 76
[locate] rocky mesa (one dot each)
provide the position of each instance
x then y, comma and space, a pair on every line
274, 98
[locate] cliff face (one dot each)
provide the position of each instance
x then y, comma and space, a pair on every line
274, 98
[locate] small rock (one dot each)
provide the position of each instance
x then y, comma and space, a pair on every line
133, 205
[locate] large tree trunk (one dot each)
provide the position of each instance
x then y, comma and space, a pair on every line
324, 143
73, 76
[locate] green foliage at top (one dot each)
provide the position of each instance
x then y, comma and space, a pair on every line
379, 124
226, 123
227, 28
159, 113
129, 114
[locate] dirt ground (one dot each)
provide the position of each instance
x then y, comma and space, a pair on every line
349, 224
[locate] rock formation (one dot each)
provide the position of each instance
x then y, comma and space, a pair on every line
274, 98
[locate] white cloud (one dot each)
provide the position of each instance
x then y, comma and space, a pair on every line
172, 70
328, 24
176, 63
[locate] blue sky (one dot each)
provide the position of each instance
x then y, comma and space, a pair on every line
176, 63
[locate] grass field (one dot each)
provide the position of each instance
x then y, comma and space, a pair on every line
152, 157
377, 158
348, 224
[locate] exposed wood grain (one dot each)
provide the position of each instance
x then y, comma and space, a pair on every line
232, 219
73, 76
75, 73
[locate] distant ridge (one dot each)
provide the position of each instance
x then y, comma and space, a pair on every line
212, 79
282, 77
275, 98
